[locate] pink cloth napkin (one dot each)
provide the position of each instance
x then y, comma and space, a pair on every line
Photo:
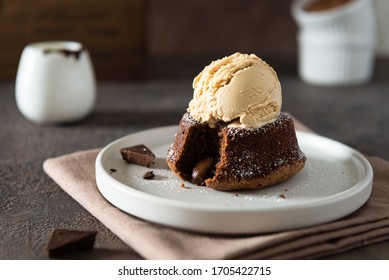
75, 174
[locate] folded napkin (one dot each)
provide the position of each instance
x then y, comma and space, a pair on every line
75, 174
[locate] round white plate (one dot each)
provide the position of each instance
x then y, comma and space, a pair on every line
335, 181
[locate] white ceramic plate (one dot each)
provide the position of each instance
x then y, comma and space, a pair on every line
335, 182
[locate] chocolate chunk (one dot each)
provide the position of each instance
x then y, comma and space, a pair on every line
63, 241
140, 155
148, 175
202, 171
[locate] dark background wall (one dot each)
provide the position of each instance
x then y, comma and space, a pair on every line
129, 39
203, 26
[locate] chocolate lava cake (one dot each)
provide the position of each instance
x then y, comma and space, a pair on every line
235, 158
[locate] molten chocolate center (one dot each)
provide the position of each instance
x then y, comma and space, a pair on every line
202, 171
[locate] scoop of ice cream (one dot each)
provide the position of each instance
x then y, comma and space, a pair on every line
240, 89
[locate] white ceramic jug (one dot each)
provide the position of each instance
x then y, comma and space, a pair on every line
55, 82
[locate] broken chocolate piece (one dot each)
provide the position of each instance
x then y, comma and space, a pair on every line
139, 154
148, 175
63, 241
202, 171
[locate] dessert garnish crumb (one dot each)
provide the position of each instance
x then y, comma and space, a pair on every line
184, 186
148, 175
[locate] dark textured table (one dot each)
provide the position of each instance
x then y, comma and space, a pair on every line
31, 204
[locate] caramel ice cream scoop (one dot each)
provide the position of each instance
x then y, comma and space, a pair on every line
240, 89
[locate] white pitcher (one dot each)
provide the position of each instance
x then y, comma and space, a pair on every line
55, 82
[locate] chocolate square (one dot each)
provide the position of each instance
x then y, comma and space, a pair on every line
139, 154
63, 241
